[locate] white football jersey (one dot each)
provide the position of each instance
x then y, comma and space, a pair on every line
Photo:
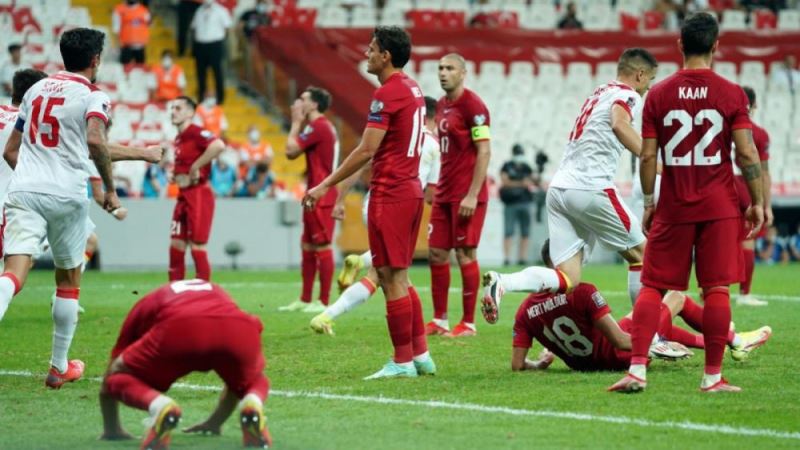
591, 157
54, 155
430, 161
8, 118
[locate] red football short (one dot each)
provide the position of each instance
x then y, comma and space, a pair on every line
393, 229
671, 247
193, 214
318, 225
449, 230
230, 346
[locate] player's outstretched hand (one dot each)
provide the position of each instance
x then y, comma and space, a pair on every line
313, 196
204, 428
118, 435
111, 202
768, 216
338, 211
154, 153
755, 219
467, 206
120, 213
647, 219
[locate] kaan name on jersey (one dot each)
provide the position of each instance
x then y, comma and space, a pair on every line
690, 93
547, 306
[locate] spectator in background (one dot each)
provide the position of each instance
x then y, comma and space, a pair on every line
223, 177
10, 68
210, 27
168, 80
787, 75
259, 183
211, 116
772, 5
131, 24
154, 184
772, 248
254, 18
186, 11
255, 149
794, 245
570, 20
516, 183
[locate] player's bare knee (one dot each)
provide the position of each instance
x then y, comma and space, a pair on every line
466, 255
178, 244
198, 247
633, 255
438, 255
68, 278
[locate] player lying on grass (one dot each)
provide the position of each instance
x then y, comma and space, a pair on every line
183, 327
578, 328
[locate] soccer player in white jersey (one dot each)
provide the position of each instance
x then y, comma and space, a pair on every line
59, 118
358, 293
583, 205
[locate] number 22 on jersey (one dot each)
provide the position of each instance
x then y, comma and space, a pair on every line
51, 138
678, 152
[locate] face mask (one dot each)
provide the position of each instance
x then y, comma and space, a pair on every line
166, 62
209, 2
209, 102
261, 8
254, 136
519, 159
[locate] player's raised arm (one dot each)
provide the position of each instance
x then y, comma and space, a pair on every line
151, 154
293, 148
96, 141
622, 126
747, 158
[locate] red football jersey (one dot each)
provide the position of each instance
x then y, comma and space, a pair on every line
564, 324
457, 120
692, 114
179, 299
189, 146
398, 107
761, 139
318, 141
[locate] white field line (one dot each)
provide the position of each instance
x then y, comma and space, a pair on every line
477, 408
143, 287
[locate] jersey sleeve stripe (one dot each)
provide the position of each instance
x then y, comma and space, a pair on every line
377, 125
744, 125
624, 106
100, 116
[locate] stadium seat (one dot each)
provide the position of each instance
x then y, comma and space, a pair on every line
579, 78
727, 70
789, 19
666, 69
599, 16
606, 71
520, 71
632, 6
540, 17
393, 17
493, 70
764, 19
550, 77
332, 17
734, 20
364, 17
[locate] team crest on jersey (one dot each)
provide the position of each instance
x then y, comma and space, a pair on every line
479, 119
376, 106
106, 107
631, 102
598, 300
206, 134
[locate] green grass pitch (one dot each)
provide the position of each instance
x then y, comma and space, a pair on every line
320, 401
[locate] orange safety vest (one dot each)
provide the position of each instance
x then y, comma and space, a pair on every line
134, 30
167, 87
258, 152
211, 118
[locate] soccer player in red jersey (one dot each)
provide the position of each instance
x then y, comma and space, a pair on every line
319, 143
693, 116
459, 206
165, 337
761, 140
392, 140
195, 148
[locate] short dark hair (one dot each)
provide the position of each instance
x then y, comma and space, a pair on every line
546, 254
192, 104
321, 97
79, 46
517, 149
14, 47
23, 80
430, 107
751, 95
699, 33
634, 59
166, 52
396, 41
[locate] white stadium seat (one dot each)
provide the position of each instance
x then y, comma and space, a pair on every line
727, 70
541, 17
789, 19
734, 20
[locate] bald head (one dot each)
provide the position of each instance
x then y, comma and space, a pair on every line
452, 70
456, 59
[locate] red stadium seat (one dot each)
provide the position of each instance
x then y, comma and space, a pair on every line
653, 20
765, 19
424, 18
629, 22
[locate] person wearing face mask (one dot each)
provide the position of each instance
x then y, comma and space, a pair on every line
131, 24
210, 26
516, 182
168, 80
255, 150
254, 18
211, 116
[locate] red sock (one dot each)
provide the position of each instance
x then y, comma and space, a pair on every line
470, 281
177, 266
692, 314
398, 316
685, 337
325, 261
419, 343
440, 288
716, 325
749, 263
202, 267
129, 390
646, 314
308, 267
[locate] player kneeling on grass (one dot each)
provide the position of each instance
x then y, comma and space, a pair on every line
183, 327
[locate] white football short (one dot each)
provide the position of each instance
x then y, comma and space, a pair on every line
637, 196
578, 219
33, 217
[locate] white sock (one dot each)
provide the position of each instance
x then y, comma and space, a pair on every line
350, 298
442, 323
710, 380
531, 279
471, 326
634, 283
252, 398
158, 404
7, 289
638, 370
422, 357
366, 259
737, 340
65, 320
